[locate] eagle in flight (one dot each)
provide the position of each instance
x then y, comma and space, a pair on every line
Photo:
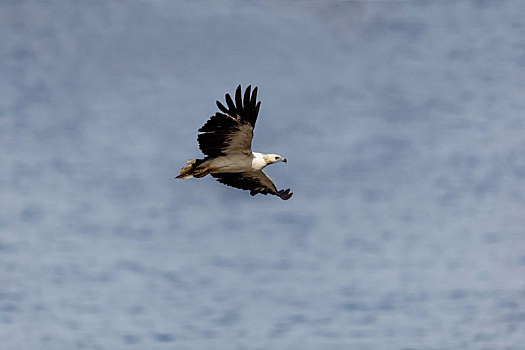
226, 141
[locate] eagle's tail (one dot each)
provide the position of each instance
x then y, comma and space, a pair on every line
192, 170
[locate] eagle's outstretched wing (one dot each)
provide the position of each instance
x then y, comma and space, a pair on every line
253, 181
231, 132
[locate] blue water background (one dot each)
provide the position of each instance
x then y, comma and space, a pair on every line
404, 126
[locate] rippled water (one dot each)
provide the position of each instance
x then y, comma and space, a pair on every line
404, 128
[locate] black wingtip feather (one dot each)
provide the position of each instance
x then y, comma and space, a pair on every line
285, 194
247, 105
231, 105
238, 100
253, 100
221, 107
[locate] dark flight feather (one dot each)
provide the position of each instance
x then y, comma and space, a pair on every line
255, 182
221, 128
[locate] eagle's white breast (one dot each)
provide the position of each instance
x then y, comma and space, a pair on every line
258, 161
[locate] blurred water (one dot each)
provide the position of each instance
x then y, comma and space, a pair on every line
404, 128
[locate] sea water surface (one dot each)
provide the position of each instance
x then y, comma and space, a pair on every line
404, 127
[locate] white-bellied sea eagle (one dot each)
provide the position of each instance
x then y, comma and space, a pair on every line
226, 141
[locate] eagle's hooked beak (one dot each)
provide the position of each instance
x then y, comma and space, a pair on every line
284, 160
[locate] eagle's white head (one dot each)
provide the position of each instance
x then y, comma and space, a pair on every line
274, 158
